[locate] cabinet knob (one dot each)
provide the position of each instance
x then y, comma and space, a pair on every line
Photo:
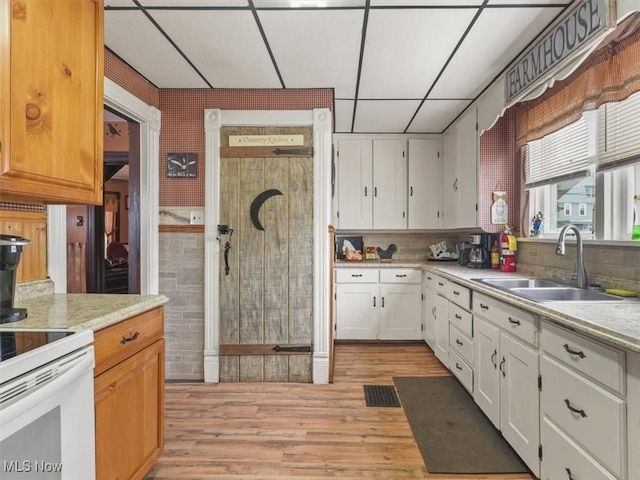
32, 112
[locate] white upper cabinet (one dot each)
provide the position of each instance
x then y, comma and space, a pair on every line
424, 184
389, 184
353, 190
460, 169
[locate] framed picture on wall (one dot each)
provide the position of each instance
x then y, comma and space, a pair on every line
349, 248
182, 165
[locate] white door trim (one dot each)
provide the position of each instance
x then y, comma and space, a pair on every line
148, 117
320, 120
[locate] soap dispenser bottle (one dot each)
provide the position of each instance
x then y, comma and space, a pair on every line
635, 232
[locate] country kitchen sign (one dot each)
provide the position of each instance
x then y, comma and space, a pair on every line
266, 140
569, 35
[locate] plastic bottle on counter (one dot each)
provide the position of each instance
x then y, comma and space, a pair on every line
495, 255
635, 232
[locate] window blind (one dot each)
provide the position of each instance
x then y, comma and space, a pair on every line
558, 155
619, 132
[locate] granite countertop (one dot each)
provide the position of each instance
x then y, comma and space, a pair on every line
82, 310
616, 323
377, 264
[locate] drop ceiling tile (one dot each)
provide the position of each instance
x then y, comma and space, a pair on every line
383, 116
406, 49
226, 46
194, 3
343, 116
427, 3
131, 36
316, 48
307, 3
436, 115
119, 3
485, 53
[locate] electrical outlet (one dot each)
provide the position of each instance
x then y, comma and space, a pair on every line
196, 218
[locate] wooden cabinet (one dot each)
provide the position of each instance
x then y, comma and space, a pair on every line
371, 184
383, 304
506, 376
460, 168
51, 77
424, 184
129, 396
583, 406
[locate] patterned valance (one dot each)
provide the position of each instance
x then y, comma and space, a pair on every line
609, 74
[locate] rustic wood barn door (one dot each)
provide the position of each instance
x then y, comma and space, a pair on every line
266, 268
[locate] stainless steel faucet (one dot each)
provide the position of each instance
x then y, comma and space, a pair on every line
581, 273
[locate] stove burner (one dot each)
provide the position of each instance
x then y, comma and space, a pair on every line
8, 315
15, 342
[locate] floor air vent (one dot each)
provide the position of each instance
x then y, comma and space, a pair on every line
381, 396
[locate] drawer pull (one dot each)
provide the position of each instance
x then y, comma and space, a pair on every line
569, 474
573, 352
455, 292
382, 302
493, 358
356, 275
429, 278
514, 322
458, 366
433, 312
441, 284
484, 307
573, 409
459, 342
458, 316
130, 338
400, 276
374, 301
501, 364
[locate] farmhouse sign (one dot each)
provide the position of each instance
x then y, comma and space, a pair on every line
580, 24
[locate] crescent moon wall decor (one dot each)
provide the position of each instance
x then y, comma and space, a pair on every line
257, 204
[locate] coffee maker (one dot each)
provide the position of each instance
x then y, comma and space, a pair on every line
10, 254
480, 252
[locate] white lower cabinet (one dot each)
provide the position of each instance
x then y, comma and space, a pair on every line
583, 407
506, 381
383, 304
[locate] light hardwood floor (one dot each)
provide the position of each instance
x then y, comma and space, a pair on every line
265, 431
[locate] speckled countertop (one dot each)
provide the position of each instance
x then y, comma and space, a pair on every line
77, 310
617, 323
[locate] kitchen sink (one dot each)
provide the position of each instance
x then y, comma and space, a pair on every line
564, 294
543, 290
509, 283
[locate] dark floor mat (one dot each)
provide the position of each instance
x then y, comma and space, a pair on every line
381, 396
452, 433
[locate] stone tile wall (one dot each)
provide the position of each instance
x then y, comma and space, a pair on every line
608, 266
182, 281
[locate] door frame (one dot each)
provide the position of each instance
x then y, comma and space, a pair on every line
320, 120
148, 117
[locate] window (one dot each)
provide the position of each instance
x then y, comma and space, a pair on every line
587, 173
582, 209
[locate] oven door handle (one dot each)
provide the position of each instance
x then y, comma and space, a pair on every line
83, 362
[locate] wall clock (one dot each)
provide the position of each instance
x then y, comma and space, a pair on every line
182, 165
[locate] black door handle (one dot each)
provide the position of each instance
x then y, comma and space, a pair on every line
574, 409
573, 352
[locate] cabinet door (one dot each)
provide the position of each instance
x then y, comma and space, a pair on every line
520, 400
424, 184
429, 316
354, 195
56, 124
441, 329
389, 184
129, 403
467, 133
400, 308
357, 311
449, 179
486, 344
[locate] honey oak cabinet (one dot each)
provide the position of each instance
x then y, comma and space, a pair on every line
129, 396
51, 103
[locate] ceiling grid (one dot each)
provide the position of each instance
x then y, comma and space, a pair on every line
396, 66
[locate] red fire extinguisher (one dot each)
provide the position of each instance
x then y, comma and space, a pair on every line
508, 247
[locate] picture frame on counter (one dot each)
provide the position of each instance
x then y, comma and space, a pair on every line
349, 249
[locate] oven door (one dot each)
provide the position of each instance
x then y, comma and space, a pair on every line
47, 421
